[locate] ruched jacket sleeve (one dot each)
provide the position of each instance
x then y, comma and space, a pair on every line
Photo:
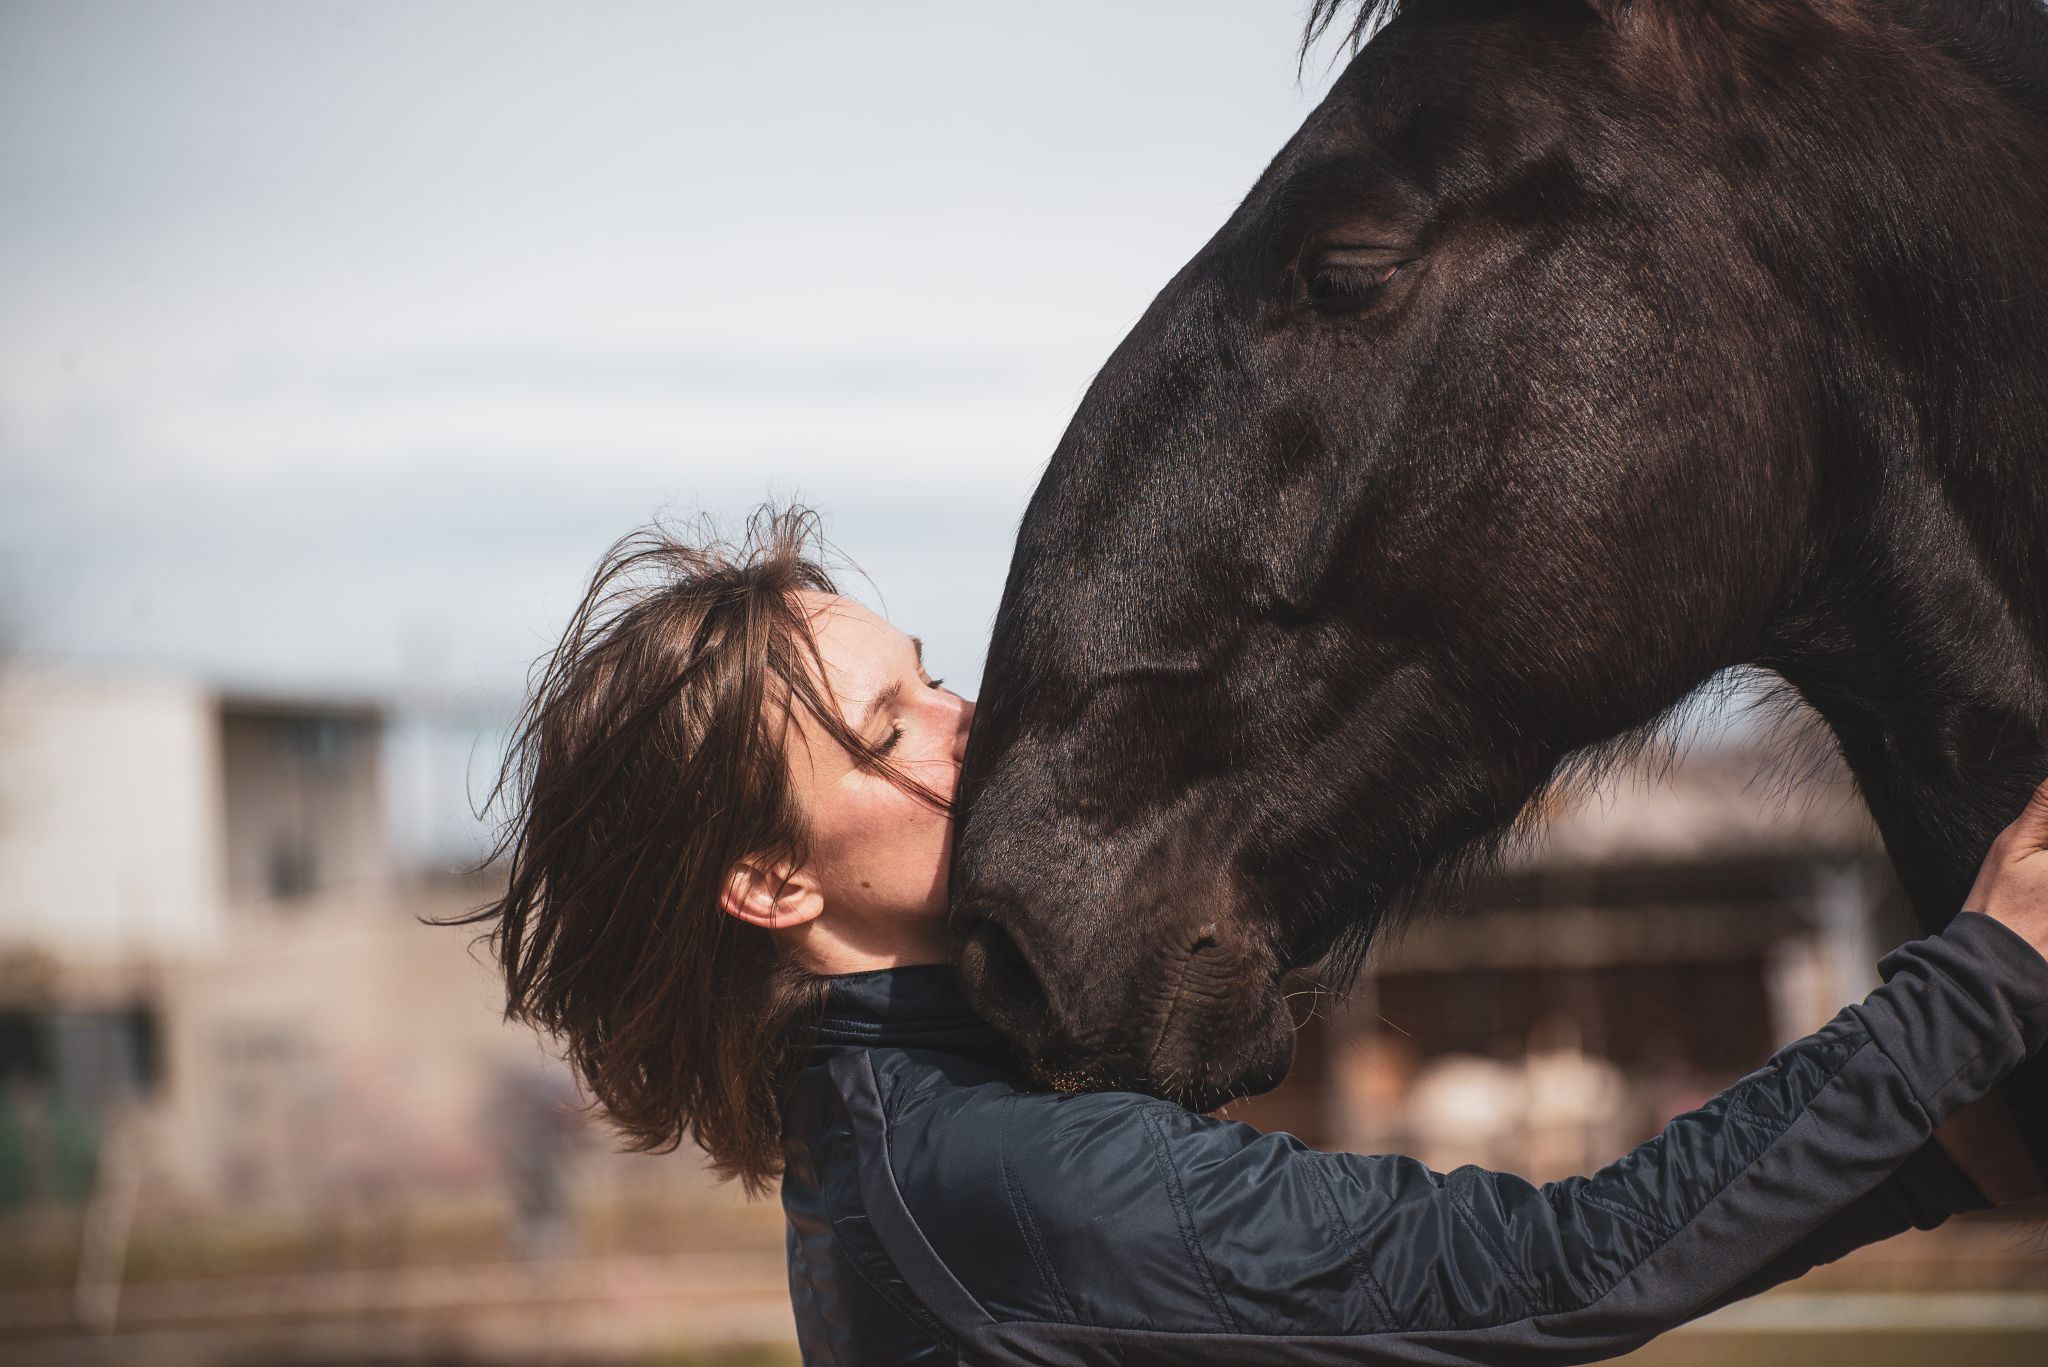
1074, 1230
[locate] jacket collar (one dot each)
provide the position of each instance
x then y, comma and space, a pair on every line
919, 1007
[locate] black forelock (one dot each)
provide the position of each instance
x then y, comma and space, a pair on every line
1371, 16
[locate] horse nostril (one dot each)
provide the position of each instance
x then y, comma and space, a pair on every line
1001, 983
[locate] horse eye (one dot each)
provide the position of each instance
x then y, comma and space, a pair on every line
1338, 287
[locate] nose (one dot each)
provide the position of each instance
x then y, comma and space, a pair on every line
966, 721
1001, 983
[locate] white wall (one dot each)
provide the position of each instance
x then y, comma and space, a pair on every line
109, 812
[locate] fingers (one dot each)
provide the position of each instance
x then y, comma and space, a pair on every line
2031, 827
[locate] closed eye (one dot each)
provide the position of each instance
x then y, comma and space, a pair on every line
1337, 286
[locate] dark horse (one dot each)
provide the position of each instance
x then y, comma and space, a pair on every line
1569, 354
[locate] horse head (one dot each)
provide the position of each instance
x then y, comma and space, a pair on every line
1524, 391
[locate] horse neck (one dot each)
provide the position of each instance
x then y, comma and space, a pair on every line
1937, 694
1921, 634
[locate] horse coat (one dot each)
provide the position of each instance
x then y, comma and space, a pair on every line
943, 1209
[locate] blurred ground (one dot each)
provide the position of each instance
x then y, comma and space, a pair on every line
678, 1272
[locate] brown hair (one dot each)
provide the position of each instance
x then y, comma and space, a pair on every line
648, 759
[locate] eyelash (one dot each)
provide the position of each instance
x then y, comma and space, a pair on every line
896, 731
1347, 289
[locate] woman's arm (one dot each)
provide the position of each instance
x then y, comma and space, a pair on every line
1301, 1257
1977, 1158
1213, 1243
1823, 1151
1922, 1194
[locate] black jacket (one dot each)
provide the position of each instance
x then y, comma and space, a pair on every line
942, 1210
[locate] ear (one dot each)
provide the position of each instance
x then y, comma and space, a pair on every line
773, 896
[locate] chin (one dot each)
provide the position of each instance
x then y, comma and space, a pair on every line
1258, 1067
1252, 1061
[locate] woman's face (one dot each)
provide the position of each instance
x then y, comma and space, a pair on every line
878, 853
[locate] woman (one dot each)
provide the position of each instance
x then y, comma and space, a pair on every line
727, 900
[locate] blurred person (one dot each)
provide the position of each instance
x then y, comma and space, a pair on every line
534, 1122
728, 853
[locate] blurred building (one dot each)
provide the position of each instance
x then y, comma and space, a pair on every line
203, 939
253, 1108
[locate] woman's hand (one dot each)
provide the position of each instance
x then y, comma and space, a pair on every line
2012, 889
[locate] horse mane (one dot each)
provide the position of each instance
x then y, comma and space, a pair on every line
1372, 16
2004, 40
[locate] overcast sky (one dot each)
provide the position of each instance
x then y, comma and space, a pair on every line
339, 339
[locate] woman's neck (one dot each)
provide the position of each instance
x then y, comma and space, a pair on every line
897, 942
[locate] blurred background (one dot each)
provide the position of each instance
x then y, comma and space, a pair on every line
339, 339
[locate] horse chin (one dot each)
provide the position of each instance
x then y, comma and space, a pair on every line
1248, 1061
1262, 1067
1227, 1065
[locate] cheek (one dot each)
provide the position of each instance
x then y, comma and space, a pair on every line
881, 828
919, 823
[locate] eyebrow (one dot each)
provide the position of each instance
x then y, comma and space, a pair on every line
891, 693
